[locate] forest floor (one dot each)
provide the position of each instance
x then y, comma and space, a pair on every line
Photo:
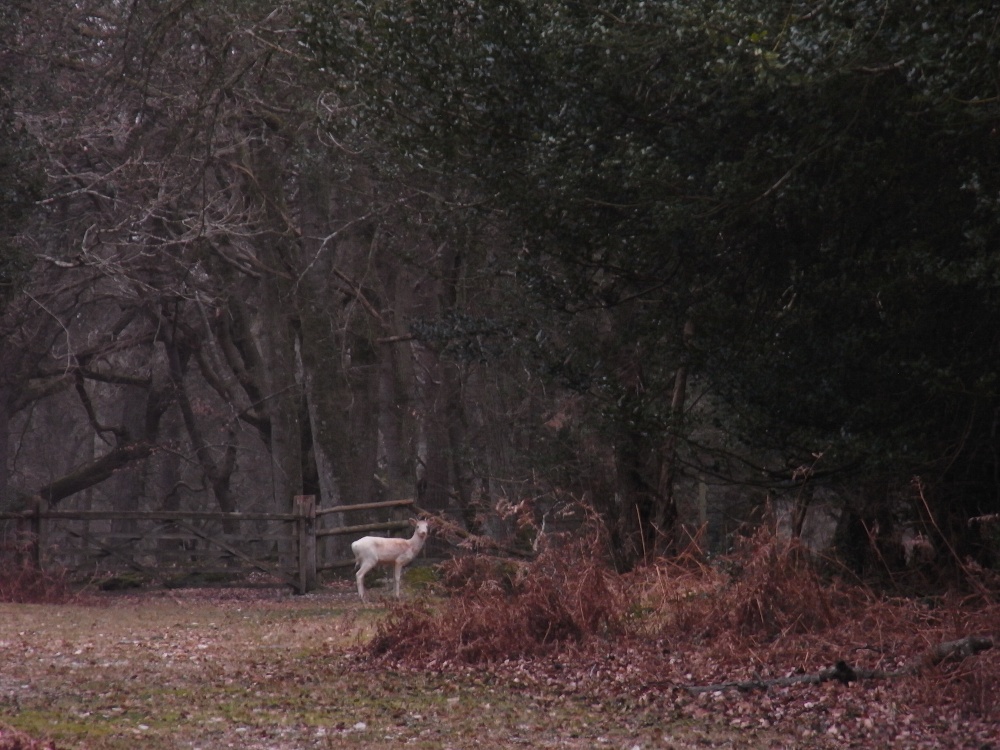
261, 668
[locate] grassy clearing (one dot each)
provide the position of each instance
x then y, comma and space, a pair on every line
178, 671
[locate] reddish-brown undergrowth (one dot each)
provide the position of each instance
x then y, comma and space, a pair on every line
768, 588
504, 610
11, 739
21, 581
764, 611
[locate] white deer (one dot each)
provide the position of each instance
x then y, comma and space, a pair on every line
370, 551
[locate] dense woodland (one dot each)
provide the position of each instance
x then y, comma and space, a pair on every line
682, 262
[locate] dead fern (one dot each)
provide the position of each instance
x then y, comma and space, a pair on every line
775, 591
565, 596
22, 582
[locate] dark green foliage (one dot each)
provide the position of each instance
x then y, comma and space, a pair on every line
815, 187
463, 337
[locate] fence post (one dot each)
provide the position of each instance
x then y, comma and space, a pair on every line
305, 509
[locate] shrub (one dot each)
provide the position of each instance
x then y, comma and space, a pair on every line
499, 611
21, 581
777, 590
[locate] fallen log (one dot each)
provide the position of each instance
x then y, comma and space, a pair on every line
952, 650
845, 673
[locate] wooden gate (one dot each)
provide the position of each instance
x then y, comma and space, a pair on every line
165, 544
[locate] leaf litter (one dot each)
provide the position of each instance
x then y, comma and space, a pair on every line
522, 656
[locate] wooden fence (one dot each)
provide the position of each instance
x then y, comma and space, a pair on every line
160, 543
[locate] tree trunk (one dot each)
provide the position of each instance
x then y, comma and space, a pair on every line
393, 412
453, 386
278, 319
666, 515
397, 403
633, 527
800, 509
459, 449
434, 482
127, 487
675, 530
5, 499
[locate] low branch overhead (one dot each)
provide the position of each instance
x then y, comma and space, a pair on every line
96, 471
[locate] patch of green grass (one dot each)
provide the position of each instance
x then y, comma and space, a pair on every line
420, 577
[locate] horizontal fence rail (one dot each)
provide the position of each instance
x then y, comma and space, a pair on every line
150, 515
175, 534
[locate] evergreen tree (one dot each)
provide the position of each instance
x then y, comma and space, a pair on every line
798, 202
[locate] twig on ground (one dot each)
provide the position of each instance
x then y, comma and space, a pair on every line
845, 673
